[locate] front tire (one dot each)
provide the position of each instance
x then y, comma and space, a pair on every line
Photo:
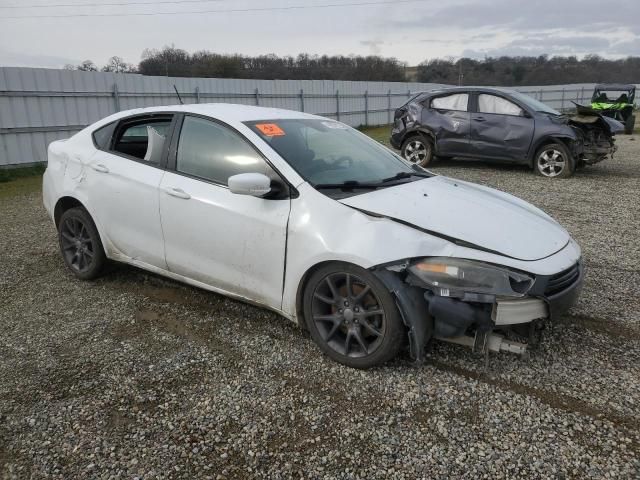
629, 124
352, 316
80, 244
554, 160
418, 149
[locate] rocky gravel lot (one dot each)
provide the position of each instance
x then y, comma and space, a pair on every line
133, 376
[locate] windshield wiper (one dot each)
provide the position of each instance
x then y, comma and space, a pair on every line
346, 185
401, 175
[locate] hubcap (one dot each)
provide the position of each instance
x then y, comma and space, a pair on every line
348, 315
77, 247
416, 151
551, 163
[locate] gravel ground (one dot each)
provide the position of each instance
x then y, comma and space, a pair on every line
133, 376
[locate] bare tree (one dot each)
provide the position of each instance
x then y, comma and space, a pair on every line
87, 66
118, 65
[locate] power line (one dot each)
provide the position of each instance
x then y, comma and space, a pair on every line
115, 4
235, 10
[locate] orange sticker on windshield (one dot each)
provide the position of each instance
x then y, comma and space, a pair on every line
270, 129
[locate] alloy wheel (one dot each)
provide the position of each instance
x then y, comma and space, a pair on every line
416, 151
551, 162
77, 247
348, 315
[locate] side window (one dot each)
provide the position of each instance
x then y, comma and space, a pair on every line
494, 104
213, 152
102, 136
143, 139
457, 101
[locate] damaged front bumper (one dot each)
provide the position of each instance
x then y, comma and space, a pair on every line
427, 314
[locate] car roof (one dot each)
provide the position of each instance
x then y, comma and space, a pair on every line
615, 86
224, 111
467, 88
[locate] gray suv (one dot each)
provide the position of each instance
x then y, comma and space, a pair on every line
502, 125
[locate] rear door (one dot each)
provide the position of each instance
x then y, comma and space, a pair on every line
449, 119
232, 242
500, 128
123, 186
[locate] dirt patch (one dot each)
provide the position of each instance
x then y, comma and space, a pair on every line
551, 399
611, 329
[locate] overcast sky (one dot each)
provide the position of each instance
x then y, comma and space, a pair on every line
411, 31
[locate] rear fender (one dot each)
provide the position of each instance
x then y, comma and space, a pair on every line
421, 130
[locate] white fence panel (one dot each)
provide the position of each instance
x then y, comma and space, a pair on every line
40, 105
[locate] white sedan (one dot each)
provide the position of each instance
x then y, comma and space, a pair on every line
312, 219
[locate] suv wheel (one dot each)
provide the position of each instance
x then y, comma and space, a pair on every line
418, 149
554, 161
629, 124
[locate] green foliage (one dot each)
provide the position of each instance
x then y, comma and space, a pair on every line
9, 174
542, 70
380, 133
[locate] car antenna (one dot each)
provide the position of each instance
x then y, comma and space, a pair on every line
179, 97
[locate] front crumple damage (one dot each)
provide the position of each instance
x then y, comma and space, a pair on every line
595, 135
430, 310
429, 316
413, 307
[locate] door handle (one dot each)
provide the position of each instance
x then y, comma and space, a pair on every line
479, 119
178, 193
99, 168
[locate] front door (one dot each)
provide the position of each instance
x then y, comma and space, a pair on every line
232, 242
500, 129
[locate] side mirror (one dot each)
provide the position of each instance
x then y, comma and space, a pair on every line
254, 184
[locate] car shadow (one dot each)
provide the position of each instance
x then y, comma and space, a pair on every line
478, 164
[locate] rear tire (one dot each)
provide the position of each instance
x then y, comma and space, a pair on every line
80, 244
352, 316
630, 124
418, 149
554, 160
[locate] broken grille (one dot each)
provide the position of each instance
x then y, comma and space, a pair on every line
561, 281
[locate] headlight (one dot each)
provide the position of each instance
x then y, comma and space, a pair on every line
455, 277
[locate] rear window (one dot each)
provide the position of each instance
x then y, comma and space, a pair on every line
144, 139
457, 101
102, 136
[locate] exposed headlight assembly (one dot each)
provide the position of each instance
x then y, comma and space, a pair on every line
459, 278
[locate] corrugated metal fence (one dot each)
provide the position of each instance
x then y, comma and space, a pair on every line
38, 106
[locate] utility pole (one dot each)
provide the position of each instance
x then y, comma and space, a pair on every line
460, 74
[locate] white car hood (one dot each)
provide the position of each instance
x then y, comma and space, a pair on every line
486, 219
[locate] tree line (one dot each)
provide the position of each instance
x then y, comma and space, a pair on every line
506, 71
541, 70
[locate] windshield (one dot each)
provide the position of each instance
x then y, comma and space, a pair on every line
328, 154
533, 103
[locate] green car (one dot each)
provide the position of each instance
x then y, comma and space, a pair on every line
615, 100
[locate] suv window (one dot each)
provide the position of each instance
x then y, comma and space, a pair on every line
144, 139
213, 152
494, 104
456, 101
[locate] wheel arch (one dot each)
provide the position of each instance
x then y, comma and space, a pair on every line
67, 202
421, 130
62, 205
303, 283
566, 140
